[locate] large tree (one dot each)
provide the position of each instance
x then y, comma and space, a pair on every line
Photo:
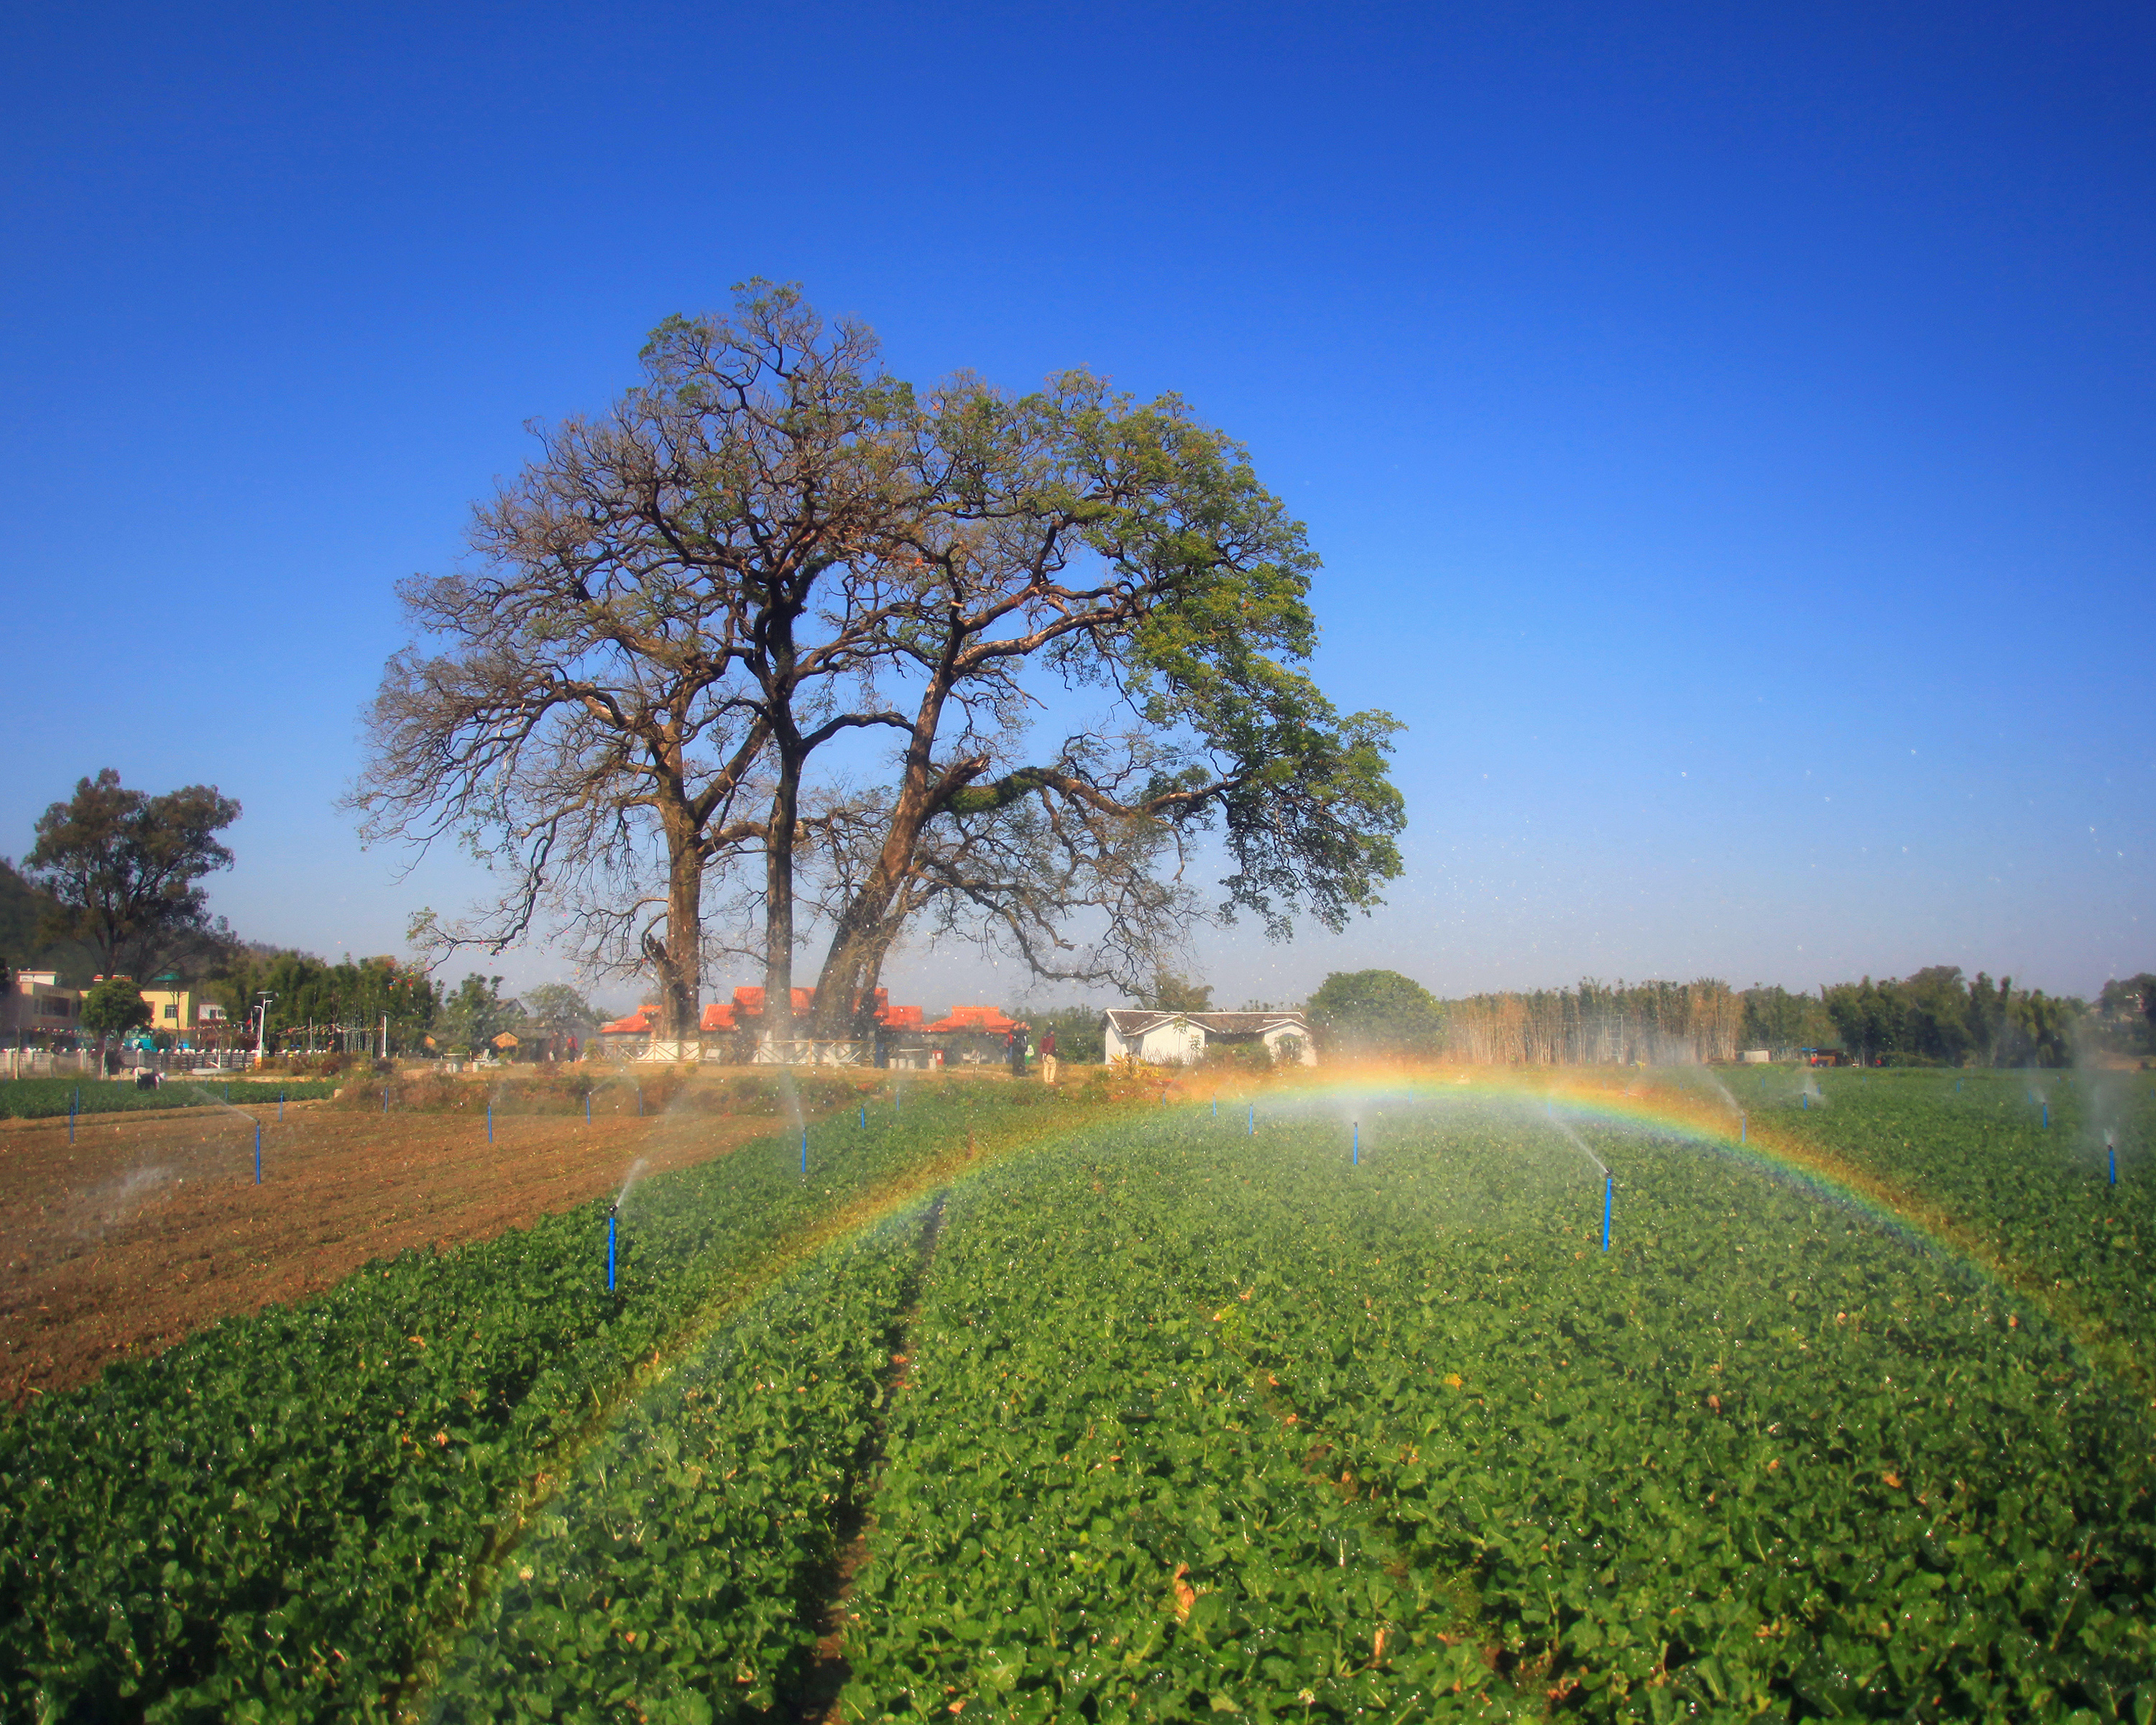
124, 871
769, 545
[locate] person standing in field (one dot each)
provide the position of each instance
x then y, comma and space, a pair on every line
1048, 1057
1015, 1044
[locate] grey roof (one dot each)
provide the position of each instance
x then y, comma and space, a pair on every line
1133, 1022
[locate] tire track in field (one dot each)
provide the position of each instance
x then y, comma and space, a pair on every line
984, 1148
815, 1697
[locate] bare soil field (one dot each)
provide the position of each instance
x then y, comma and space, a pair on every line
146, 1229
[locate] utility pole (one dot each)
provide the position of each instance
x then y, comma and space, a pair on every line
385, 1036
262, 1025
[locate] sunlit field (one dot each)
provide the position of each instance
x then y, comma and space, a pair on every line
1599, 1393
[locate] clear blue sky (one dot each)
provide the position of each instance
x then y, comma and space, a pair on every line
1728, 430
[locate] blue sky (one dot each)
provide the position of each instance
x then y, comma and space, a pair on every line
1728, 430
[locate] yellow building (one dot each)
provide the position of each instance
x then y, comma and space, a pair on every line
176, 1008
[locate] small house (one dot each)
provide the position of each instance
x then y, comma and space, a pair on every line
1181, 1038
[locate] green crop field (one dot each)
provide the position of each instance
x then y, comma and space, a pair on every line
53, 1098
1141, 1414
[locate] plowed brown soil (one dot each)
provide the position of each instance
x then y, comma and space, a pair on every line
144, 1231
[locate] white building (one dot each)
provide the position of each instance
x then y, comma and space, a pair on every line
1179, 1038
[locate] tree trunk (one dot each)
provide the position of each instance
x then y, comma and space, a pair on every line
680, 964
779, 901
845, 989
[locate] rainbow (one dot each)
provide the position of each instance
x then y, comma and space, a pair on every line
1675, 1109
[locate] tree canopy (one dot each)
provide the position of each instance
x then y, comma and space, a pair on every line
771, 545
123, 871
1376, 1012
113, 1007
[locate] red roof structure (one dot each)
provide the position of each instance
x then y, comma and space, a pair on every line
641, 1022
717, 1016
988, 1020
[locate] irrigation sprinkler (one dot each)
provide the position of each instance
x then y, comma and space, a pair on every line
1609, 1201
2047, 1114
385, 1101
804, 1152
1254, 1121
2111, 1150
1216, 1107
1741, 1126
612, 1213
588, 1108
1807, 1100
280, 1107
1357, 1153
258, 1152
75, 1106
865, 1116
227, 1092
489, 1122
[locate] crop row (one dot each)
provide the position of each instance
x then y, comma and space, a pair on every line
683, 1570
52, 1098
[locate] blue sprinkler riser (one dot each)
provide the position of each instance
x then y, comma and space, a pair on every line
610, 1228
2114, 1164
258, 1152
1358, 1144
1609, 1199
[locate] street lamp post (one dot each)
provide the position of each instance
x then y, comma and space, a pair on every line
262, 1000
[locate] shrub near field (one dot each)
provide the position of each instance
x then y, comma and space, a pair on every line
279, 1518
564, 1090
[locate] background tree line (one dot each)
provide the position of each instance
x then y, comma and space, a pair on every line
1934, 1017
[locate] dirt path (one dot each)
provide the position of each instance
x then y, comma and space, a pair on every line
144, 1231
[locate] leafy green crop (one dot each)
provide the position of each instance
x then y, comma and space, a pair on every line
1765, 1457
279, 1518
683, 1570
48, 1098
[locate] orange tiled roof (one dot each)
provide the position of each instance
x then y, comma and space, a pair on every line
639, 1023
988, 1019
717, 1016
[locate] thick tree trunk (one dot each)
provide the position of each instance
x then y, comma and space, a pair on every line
778, 903
847, 985
680, 965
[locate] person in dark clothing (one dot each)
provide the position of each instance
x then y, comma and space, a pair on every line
1016, 1043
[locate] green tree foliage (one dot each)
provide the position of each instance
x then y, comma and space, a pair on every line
1781, 1021
2125, 1013
1376, 1012
559, 1010
1933, 1017
1079, 1036
113, 1007
1170, 993
28, 916
346, 1000
124, 870
477, 1012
